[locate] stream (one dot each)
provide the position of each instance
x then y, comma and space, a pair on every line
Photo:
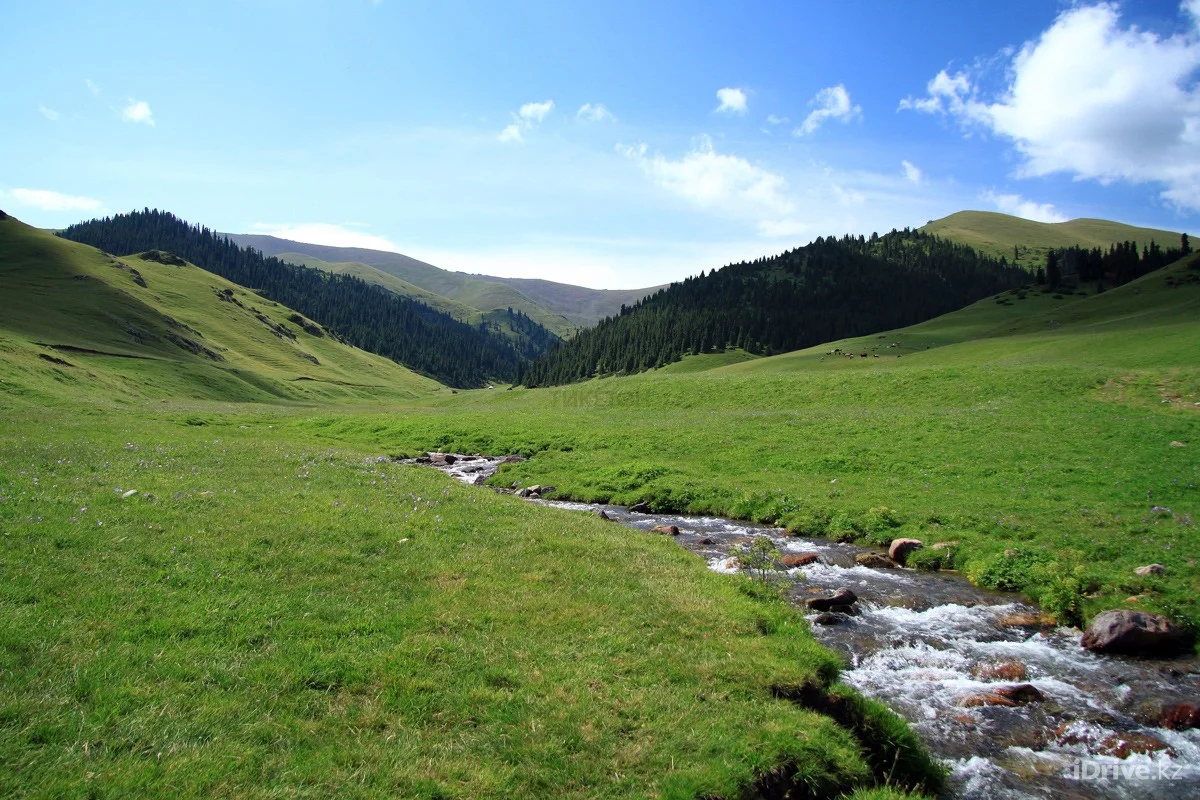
936, 650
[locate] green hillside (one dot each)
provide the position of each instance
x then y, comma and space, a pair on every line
77, 319
560, 307
997, 234
1050, 436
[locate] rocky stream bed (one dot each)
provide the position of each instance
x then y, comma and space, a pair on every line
1016, 708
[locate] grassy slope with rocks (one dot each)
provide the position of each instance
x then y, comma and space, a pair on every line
1036, 433
210, 598
996, 234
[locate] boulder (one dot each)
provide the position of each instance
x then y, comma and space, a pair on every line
1178, 444
1149, 569
1180, 717
834, 602
1024, 621
527, 492
875, 561
792, 560
707, 541
640, 508
442, 459
512, 460
599, 512
829, 618
900, 548
1134, 633
671, 530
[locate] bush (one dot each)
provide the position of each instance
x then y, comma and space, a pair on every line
1010, 571
929, 559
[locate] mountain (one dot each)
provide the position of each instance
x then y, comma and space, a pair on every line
409, 332
826, 290
998, 234
561, 308
77, 319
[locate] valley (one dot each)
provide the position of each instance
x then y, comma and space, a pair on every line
213, 556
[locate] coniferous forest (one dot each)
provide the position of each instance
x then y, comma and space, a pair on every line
827, 290
367, 316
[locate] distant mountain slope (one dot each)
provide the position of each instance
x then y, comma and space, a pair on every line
827, 290
76, 319
560, 307
997, 234
582, 306
400, 328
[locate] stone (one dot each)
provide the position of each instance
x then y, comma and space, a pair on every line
1180, 717
1178, 444
900, 548
841, 597
671, 530
1123, 745
944, 545
129, 494
707, 541
1000, 671
600, 512
442, 459
829, 618
1007, 696
512, 460
874, 561
792, 560
640, 508
1136, 633
1149, 569
1024, 621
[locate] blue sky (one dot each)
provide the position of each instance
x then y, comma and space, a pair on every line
612, 144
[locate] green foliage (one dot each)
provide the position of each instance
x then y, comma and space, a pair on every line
1010, 571
759, 557
929, 559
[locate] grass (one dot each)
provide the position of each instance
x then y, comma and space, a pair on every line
1042, 426
996, 234
275, 613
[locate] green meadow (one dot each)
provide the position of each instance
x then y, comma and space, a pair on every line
282, 610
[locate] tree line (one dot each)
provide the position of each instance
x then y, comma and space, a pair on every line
830, 289
367, 316
1121, 263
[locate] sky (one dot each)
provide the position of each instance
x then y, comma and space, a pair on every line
611, 144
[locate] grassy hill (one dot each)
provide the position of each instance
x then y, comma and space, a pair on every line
560, 307
77, 319
997, 234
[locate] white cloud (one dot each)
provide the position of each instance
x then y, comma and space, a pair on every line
138, 111
91, 87
325, 233
832, 102
528, 117
782, 228
775, 119
49, 113
536, 112
46, 200
911, 171
1094, 99
589, 112
511, 133
1020, 207
733, 101
713, 180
